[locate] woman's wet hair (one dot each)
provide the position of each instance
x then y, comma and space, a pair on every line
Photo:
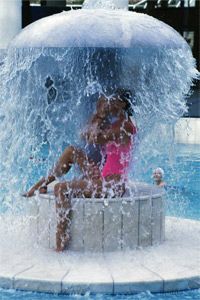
125, 95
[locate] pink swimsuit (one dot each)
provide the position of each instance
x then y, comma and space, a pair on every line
118, 158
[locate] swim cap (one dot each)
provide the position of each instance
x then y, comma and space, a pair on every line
159, 170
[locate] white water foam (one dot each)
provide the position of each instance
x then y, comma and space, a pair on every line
99, 28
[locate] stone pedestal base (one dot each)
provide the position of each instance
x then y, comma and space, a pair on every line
97, 225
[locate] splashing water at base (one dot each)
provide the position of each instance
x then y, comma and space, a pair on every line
186, 295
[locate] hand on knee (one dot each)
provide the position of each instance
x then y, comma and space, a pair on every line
61, 191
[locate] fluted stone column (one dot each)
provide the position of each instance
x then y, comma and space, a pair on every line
10, 20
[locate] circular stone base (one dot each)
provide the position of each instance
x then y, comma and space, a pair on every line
171, 266
105, 224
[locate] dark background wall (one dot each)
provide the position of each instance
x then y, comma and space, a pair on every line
186, 20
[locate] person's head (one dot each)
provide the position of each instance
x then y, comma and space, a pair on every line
158, 175
102, 106
121, 101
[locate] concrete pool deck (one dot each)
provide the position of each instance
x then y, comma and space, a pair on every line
172, 266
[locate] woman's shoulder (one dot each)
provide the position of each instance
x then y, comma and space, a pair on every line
132, 120
126, 124
132, 125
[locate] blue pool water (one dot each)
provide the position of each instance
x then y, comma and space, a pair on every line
182, 176
184, 199
16, 295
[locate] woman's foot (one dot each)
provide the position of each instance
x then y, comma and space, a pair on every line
29, 194
43, 190
62, 241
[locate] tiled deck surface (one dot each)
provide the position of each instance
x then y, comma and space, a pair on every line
172, 266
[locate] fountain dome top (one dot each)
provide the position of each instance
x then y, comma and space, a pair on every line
99, 28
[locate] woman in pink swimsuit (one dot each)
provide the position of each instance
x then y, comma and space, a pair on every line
112, 128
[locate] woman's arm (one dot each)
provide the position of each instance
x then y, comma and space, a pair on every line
97, 121
122, 132
92, 126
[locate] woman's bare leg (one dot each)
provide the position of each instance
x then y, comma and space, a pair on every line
64, 192
63, 207
73, 155
70, 156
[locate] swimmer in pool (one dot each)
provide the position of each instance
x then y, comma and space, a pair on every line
158, 175
111, 127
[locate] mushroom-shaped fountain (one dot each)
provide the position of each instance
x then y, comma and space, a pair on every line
51, 76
